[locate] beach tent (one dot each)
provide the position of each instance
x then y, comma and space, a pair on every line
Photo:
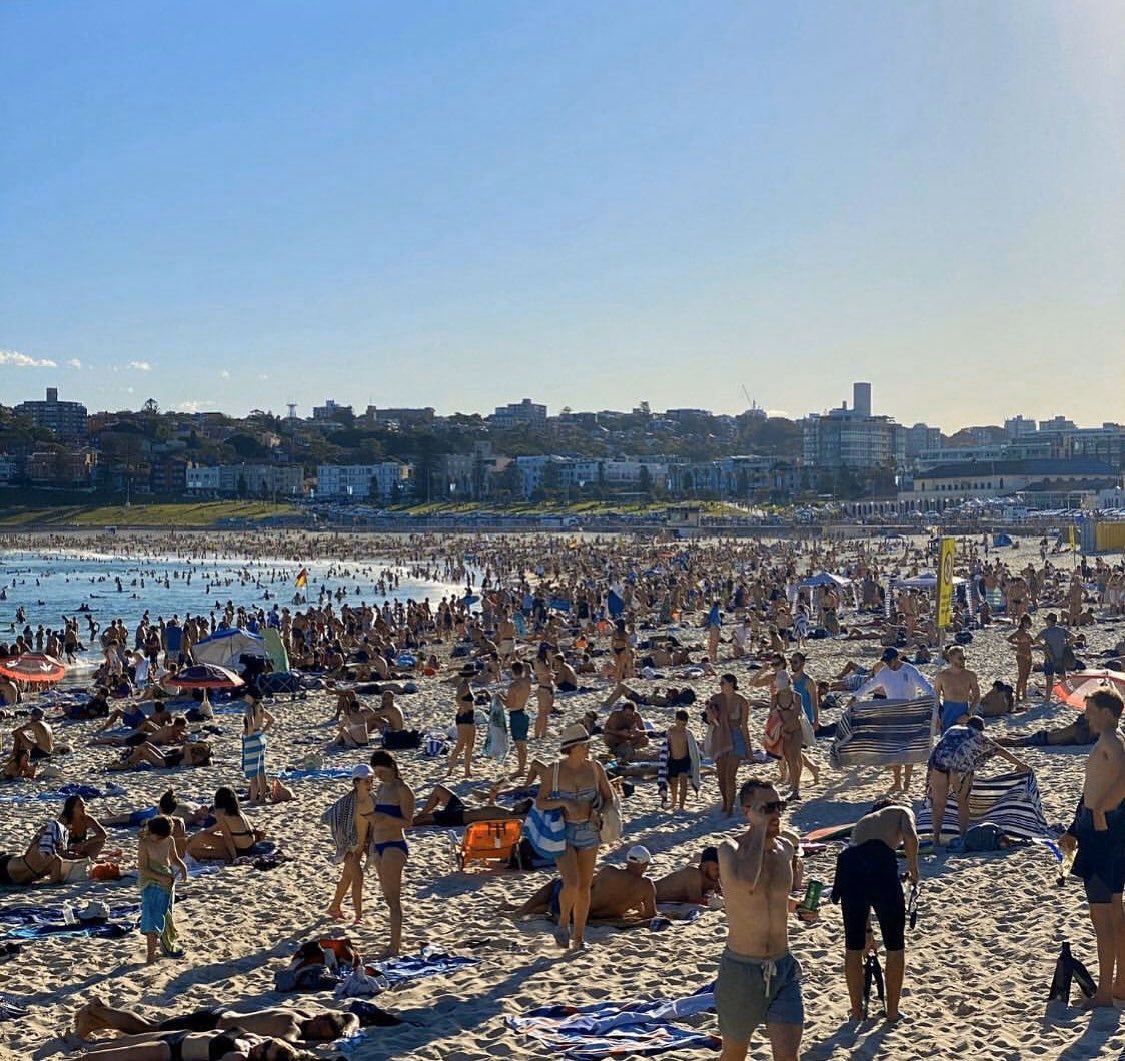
999, 541
225, 648
824, 578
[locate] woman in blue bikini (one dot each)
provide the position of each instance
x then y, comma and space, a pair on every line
579, 788
393, 814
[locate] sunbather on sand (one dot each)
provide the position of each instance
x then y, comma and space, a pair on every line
197, 1046
615, 894
291, 1023
692, 884
41, 861
445, 809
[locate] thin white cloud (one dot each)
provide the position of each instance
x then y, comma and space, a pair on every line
778, 412
196, 406
224, 374
262, 376
74, 363
128, 390
18, 360
140, 366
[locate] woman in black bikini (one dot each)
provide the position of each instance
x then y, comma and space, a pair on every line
232, 1045
230, 836
394, 812
466, 720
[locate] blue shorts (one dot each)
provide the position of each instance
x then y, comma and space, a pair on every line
518, 723
951, 711
155, 904
738, 744
582, 835
749, 991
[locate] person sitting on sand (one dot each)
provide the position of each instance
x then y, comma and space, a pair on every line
43, 859
232, 1045
999, 700
692, 884
446, 810
36, 737
291, 1023
175, 732
87, 836
18, 765
388, 716
615, 893
565, 676
231, 836
624, 732
354, 719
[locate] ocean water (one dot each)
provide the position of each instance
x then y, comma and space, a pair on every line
50, 584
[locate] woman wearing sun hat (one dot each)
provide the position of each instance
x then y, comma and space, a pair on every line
578, 787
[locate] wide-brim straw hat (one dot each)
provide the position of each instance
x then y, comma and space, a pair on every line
573, 735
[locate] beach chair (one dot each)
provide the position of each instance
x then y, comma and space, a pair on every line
490, 841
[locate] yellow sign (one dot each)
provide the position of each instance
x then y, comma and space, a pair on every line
945, 583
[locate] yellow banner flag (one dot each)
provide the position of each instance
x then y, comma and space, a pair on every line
945, 583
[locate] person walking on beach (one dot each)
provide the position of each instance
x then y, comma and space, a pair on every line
515, 701
728, 714
1022, 641
1054, 641
156, 857
957, 690
759, 980
866, 880
466, 722
1098, 831
544, 690
577, 786
393, 814
349, 820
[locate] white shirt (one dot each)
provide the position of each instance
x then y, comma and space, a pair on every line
906, 683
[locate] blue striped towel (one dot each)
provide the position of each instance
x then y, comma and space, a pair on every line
1010, 801
884, 733
254, 755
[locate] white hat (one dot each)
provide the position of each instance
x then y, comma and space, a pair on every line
361, 772
639, 854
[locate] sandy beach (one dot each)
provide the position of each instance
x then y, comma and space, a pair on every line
979, 963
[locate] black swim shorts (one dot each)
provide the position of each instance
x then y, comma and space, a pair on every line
866, 880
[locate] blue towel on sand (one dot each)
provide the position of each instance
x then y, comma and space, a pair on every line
71, 788
429, 962
35, 922
617, 1029
323, 773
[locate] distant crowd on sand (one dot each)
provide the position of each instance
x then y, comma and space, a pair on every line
717, 640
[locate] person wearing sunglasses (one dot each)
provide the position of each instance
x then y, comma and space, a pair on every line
759, 980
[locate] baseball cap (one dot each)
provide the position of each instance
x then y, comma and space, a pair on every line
640, 854
362, 771
889, 654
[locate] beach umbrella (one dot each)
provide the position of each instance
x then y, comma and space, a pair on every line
1077, 686
35, 668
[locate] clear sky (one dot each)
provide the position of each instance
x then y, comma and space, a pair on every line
459, 204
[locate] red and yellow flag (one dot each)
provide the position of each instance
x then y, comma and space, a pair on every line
302, 579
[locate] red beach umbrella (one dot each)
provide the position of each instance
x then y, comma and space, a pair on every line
35, 668
1075, 687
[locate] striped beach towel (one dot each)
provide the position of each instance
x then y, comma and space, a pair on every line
696, 765
1010, 801
254, 755
884, 733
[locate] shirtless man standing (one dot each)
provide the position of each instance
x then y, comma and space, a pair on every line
867, 879
1099, 832
515, 700
956, 689
506, 635
759, 980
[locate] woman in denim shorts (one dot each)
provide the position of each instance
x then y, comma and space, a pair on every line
578, 787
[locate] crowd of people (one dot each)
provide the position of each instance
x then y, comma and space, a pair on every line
734, 625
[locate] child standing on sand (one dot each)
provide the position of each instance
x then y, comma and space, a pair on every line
156, 855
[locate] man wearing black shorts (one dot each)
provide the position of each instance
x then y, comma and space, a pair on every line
866, 880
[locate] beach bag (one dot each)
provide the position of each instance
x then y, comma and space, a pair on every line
436, 744
396, 740
808, 734
771, 736
79, 870
545, 830
611, 828
983, 837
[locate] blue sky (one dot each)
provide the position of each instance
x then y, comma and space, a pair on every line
461, 204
